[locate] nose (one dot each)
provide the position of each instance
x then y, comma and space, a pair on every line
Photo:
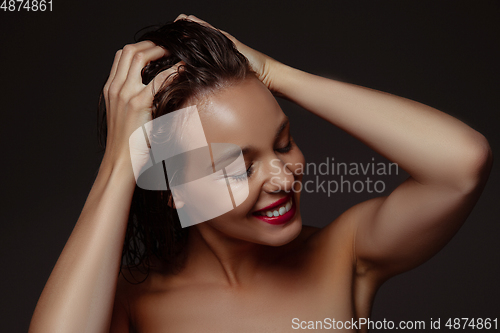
278, 177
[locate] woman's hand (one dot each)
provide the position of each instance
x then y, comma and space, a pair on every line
128, 100
266, 67
80, 292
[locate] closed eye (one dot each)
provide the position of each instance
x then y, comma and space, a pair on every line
243, 176
285, 149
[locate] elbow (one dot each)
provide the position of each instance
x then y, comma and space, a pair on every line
477, 162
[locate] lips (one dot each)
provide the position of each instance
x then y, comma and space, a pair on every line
279, 212
276, 203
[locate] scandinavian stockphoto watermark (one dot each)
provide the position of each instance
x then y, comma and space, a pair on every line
347, 176
437, 324
357, 324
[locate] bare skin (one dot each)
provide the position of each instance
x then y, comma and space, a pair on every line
242, 274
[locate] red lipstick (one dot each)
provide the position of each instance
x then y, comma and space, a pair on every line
276, 203
279, 219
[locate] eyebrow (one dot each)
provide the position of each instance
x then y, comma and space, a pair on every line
247, 149
284, 123
232, 155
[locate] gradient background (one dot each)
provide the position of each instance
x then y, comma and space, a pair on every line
53, 65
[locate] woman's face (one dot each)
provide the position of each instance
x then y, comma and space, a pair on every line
247, 114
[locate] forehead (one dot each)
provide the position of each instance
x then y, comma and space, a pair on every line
244, 113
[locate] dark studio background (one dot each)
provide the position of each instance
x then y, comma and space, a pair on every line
53, 64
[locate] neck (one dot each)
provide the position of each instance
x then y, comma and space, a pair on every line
221, 257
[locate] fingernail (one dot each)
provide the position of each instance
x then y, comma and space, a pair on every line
181, 16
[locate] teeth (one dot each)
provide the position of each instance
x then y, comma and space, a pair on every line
280, 211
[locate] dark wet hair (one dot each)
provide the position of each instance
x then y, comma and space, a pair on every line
212, 62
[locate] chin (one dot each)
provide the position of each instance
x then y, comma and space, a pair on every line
276, 235
275, 232
284, 236
253, 230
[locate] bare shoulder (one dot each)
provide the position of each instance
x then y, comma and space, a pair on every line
121, 317
334, 250
135, 280
339, 235
133, 283
129, 283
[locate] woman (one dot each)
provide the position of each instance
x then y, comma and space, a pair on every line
249, 270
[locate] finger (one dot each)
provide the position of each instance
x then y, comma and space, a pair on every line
126, 58
194, 19
200, 21
162, 79
111, 77
205, 23
140, 60
114, 67
180, 17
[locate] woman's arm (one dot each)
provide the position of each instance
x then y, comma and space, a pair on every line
448, 163
79, 294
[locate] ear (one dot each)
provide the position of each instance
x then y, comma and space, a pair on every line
175, 201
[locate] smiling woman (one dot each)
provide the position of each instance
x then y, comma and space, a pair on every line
209, 63
254, 268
